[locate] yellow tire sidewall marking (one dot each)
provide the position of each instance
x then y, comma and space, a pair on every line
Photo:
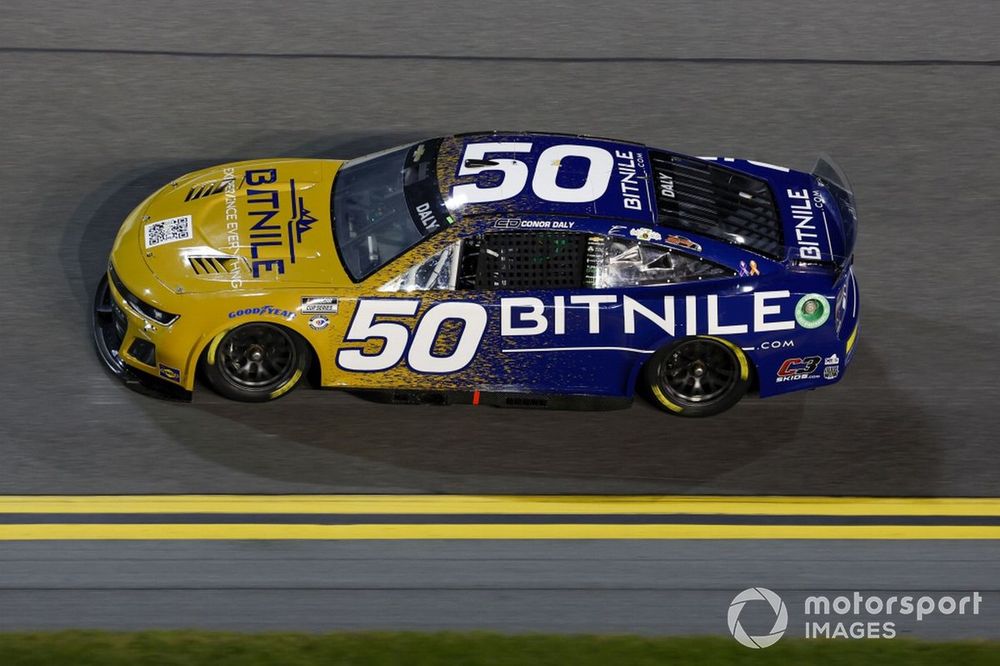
213, 346
287, 386
741, 357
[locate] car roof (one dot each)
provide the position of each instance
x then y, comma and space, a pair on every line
633, 197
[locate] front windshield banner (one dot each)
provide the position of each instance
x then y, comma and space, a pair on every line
384, 205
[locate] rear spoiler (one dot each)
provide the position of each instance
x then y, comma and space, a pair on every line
833, 178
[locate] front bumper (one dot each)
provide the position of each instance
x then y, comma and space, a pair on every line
109, 324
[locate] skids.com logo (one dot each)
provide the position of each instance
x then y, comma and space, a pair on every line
780, 617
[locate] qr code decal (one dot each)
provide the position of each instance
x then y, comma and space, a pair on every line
168, 231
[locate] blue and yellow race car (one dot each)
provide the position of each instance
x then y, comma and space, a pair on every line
512, 269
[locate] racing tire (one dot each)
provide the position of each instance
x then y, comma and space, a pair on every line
256, 362
698, 376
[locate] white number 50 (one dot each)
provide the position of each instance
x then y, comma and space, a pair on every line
396, 336
544, 185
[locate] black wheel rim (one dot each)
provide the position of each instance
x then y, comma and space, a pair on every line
698, 372
257, 357
109, 326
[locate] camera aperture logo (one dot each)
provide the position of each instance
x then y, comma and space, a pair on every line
853, 615
780, 617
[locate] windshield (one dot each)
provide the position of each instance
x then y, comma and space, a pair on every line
384, 204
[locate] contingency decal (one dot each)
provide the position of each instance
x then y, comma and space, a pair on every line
831, 367
169, 231
796, 368
683, 241
319, 305
319, 322
167, 372
644, 234
263, 310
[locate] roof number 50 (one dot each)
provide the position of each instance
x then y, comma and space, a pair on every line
543, 183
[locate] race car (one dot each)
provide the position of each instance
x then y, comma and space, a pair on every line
500, 268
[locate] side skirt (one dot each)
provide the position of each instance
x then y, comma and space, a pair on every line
495, 399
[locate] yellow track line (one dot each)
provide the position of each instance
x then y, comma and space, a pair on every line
500, 505
563, 531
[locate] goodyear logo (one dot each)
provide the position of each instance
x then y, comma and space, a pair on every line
268, 310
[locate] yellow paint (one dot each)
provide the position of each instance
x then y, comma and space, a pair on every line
500, 505
286, 532
222, 222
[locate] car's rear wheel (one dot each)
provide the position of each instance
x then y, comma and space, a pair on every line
256, 362
698, 376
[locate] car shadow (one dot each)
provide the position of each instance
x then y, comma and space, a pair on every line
830, 441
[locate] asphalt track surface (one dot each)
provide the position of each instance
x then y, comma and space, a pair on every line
684, 587
102, 102
87, 133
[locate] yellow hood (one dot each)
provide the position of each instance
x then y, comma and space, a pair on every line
241, 226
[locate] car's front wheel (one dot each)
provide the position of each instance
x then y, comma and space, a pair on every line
698, 376
256, 362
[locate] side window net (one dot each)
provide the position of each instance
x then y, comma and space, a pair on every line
551, 260
524, 260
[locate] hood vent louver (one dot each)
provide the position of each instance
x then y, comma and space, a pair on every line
213, 265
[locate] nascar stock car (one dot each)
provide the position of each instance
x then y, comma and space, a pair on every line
512, 269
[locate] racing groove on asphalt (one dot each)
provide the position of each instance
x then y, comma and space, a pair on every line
88, 134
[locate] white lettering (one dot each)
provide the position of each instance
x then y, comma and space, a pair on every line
714, 328
593, 303
427, 218
559, 315
806, 235
515, 172
691, 315
628, 182
364, 326
421, 356
595, 184
666, 185
761, 310
631, 307
536, 314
